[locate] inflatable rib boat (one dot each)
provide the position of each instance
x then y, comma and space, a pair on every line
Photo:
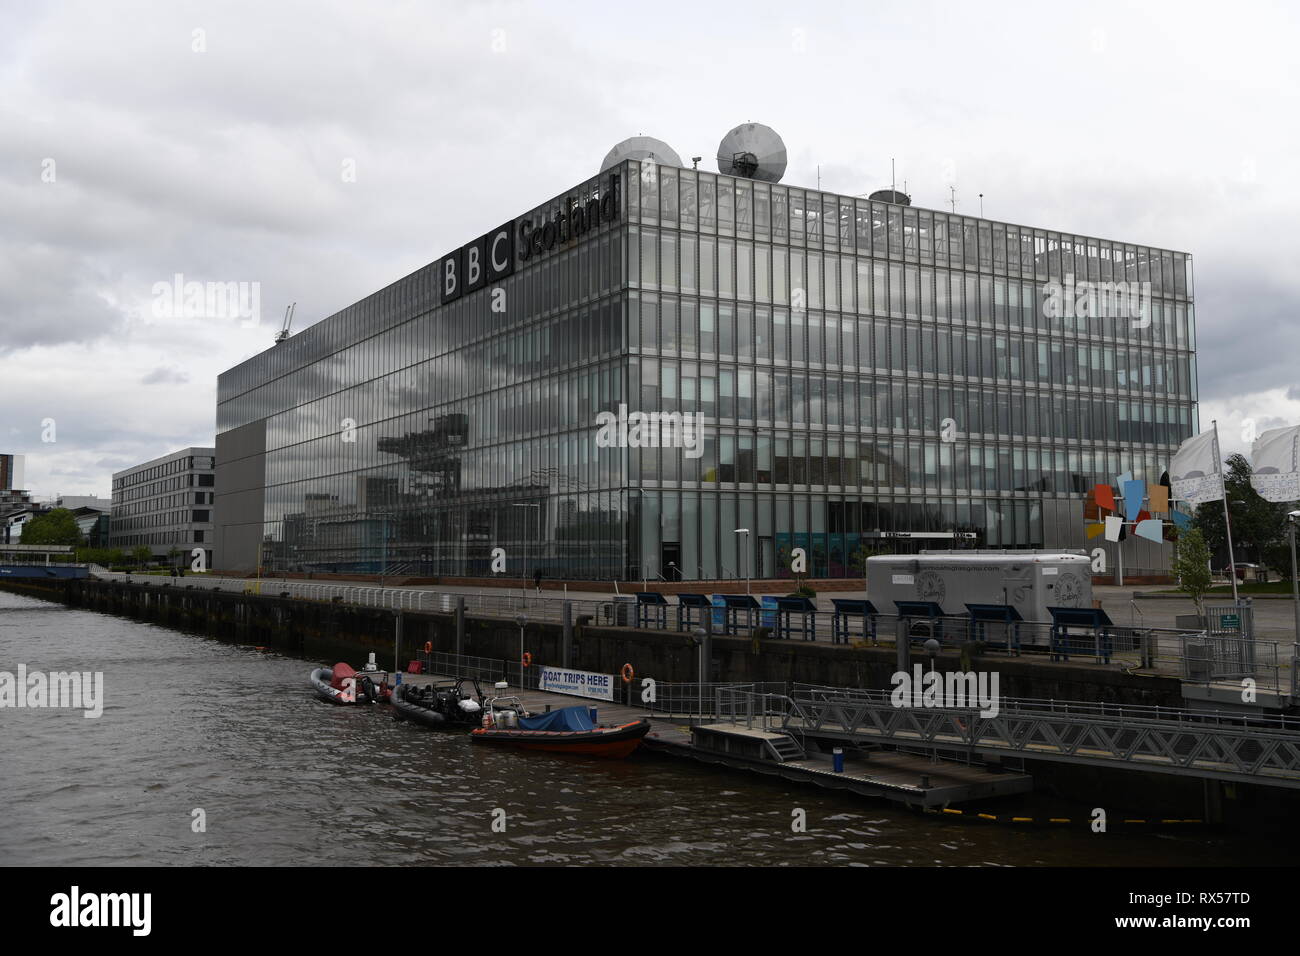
447, 705
341, 684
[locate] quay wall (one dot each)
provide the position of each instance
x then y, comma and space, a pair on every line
328, 632
331, 631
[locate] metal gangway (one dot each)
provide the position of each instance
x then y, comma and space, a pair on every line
1223, 746
1205, 744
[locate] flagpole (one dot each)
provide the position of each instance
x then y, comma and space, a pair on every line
1227, 521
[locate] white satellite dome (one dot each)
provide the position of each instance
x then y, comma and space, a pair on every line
753, 151
641, 147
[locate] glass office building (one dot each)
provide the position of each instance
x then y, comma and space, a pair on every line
865, 370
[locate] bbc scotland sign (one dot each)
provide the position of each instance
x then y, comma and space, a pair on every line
483, 261
491, 258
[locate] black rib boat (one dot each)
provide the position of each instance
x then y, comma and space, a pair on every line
448, 705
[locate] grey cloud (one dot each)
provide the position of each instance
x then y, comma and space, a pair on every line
165, 376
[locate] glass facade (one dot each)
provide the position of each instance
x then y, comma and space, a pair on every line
861, 368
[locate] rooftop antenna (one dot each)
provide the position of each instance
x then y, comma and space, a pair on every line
819, 177
981, 205
952, 190
893, 180
288, 320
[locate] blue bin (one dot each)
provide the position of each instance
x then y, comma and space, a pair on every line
837, 760
593, 715
719, 613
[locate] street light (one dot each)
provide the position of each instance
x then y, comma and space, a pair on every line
1293, 523
522, 621
701, 638
745, 554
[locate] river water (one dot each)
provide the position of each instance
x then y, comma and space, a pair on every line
190, 723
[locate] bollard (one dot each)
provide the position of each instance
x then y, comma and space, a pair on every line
837, 759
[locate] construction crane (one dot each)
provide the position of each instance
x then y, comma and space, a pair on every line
288, 319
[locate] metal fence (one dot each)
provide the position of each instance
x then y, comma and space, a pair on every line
757, 704
486, 670
1218, 653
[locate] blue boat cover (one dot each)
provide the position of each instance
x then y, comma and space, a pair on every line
566, 718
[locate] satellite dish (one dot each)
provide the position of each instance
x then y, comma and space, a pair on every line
641, 147
753, 151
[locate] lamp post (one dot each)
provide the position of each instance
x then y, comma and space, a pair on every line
1293, 524
744, 554
522, 621
702, 640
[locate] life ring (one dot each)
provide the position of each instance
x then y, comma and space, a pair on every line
628, 673
428, 647
528, 659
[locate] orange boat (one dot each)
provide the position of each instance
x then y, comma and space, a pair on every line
567, 730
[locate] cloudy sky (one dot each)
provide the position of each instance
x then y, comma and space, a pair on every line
324, 149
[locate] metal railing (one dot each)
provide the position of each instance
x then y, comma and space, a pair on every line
1197, 656
393, 598
1208, 744
486, 670
1217, 746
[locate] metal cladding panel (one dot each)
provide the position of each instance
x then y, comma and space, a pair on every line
240, 497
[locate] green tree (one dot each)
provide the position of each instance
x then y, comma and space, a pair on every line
1257, 525
1277, 555
56, 527
1192, 566
141, 553
105, 556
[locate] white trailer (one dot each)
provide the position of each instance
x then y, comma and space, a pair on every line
1029, 581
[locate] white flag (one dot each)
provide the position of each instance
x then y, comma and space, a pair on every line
1275, 460
1194, 473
